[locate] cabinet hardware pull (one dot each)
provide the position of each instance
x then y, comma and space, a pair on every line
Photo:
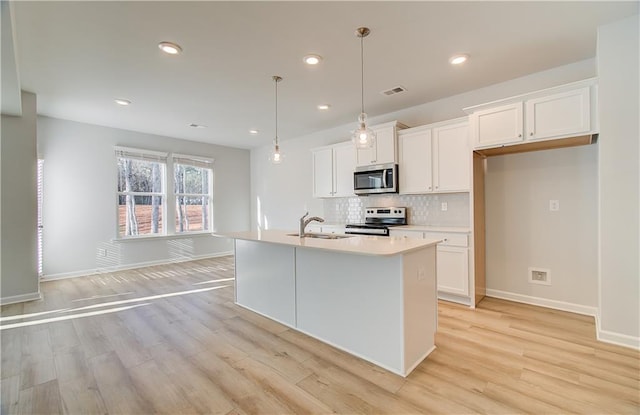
519, 135
531, 134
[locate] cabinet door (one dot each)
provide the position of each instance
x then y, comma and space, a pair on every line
384, 150
414, 162
559, 115
452, 267
494, 126
386, 145
344, 161
323, 172
451, 158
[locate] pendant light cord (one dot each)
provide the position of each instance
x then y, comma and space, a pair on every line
362, 74
276, 82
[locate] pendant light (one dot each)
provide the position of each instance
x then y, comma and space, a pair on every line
277, 156
363, 137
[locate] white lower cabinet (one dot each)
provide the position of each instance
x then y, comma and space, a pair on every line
453, 270
315, 227
452, 262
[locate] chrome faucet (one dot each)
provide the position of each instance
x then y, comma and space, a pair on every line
304, 221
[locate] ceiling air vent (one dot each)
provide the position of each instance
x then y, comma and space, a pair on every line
395, 90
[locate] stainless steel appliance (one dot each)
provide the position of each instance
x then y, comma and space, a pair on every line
378, 178
377, 221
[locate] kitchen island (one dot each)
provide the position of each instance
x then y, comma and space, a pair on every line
373, 297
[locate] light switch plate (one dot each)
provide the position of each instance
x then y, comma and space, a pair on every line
554, 205
444, 206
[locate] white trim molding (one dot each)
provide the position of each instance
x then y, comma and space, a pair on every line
616, 338
20, 298
94, 271
601, 335
544, 302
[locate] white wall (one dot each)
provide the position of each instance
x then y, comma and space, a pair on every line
18, 270
522, 232
281, 193
618, 71
79, 199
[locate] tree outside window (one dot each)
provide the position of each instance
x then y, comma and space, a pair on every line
193, 187
141, 193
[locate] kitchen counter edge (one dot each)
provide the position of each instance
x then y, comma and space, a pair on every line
356, 244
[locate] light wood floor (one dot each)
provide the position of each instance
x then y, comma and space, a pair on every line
169, 339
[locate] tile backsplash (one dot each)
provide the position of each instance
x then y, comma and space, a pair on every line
421, 209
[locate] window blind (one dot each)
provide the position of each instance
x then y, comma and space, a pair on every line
139, 154
195, 161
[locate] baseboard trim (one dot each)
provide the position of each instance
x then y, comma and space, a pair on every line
543, 302
20, 298
88, 272
453, 298
616, 338
604, 336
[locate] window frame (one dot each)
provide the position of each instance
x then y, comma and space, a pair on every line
149, 156
206, 163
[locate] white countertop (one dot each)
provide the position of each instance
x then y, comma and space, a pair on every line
357, 244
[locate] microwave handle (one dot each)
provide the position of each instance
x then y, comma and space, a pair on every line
384, 178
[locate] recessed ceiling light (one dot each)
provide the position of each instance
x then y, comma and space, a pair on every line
312, 59
253, 132
324, 107
458, 59
170, 48
193, 125
124, 102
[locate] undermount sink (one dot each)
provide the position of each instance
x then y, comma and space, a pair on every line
321, 235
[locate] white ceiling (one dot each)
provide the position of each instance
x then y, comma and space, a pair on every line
79, 56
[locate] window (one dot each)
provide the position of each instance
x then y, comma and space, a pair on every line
141, 192
193, 188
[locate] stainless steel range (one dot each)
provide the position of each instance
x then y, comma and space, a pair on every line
377, 221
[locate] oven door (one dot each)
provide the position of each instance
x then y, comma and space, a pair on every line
375, 179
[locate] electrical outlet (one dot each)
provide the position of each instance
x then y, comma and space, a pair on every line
444, 206
554, 205
102, 252
422, 274
539, 276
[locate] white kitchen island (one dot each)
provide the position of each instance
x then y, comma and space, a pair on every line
374, 297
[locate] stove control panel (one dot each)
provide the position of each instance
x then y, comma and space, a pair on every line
385, 212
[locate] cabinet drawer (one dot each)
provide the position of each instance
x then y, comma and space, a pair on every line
449, 239
406, 234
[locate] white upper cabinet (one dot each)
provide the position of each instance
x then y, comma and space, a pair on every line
344, 159
434, 158
560, 112
333, 168
323, 172
451, 158
384, 150
558, 115
414, 161
500, 125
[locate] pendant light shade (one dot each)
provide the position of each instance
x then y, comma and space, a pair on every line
363, 136
276, 157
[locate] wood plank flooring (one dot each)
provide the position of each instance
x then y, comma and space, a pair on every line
168, 339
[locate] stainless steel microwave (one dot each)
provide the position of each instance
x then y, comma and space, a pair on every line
378, 178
